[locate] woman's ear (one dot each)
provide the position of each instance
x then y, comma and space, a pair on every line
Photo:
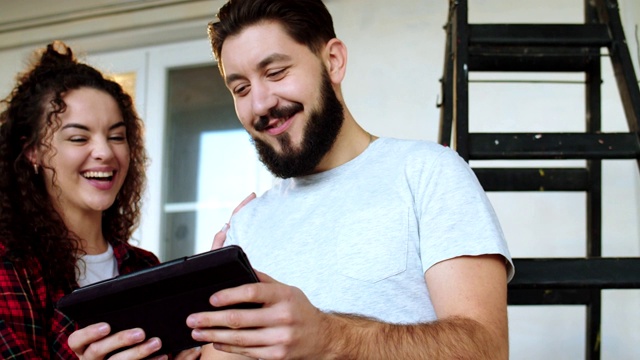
336, 60
32, 155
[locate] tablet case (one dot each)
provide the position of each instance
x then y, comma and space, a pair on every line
159, 299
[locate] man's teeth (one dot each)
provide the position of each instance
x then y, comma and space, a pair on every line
98, 174
278, 123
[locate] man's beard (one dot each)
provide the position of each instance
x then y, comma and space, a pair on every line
319, 136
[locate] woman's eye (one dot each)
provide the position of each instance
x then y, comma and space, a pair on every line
118, 138
77, 139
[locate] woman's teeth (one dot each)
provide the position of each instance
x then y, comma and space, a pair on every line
98, 174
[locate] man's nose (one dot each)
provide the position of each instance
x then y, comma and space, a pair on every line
262, 99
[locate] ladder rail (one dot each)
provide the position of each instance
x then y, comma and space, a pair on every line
624, 72
593, 120
446, 87
460, 34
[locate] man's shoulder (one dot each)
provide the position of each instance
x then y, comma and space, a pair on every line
411, 154
408, 146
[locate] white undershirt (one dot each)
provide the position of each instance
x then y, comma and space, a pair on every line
94, 268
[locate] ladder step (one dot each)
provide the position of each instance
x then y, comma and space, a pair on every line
549, 296
541, 47
590, 35
526, 59
483, 146
576, 273
533, 179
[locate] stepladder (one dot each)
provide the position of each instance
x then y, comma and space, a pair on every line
529, 105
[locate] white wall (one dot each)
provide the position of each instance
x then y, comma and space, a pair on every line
395, 61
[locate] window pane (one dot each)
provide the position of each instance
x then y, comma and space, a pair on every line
128, 83
211, 164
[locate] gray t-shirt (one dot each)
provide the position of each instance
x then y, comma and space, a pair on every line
359, 238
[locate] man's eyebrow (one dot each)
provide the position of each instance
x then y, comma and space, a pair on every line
271, 59
261, 65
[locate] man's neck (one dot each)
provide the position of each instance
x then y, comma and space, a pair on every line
352, 140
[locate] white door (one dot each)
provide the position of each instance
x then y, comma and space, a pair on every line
202, 161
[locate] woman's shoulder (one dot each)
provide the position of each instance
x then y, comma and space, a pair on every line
7, 262
131, 257
13, 274
145, 255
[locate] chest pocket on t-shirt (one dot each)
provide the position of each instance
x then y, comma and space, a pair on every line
372, 244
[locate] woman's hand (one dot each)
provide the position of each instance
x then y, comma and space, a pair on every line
221, 236
189, 354
95, 342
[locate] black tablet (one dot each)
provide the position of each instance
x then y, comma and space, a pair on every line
159, 299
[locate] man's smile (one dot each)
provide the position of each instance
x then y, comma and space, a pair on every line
278, 119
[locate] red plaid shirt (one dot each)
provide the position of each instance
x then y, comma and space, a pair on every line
30, 326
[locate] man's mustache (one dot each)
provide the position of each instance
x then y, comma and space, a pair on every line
282, 112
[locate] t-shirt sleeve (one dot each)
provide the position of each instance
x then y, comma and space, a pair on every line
455, 215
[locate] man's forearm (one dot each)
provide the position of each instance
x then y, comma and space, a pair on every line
354, 337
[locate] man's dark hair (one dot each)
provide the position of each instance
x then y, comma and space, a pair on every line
308, 22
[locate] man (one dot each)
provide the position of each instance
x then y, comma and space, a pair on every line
386, 249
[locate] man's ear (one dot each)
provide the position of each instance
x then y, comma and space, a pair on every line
336, 60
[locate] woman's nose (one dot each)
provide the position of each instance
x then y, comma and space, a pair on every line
102, 150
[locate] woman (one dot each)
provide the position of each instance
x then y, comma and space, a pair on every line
72, 167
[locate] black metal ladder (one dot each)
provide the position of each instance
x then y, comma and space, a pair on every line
549, 48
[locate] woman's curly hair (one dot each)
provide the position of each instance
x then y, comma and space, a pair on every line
30, 227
